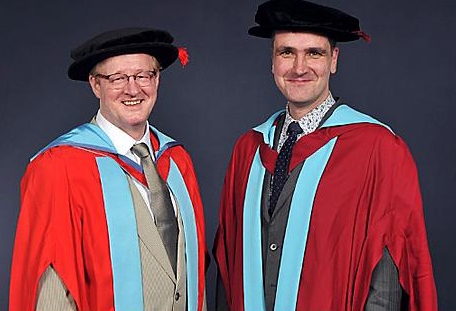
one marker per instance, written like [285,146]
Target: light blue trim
[252,254]
[87,135]
[298,226]
[130,162]
[268,128]
[164,140]
[91,136]
[295,235]
[123,236]
[344,115]
[179,189]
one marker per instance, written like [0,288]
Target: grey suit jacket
[162,289]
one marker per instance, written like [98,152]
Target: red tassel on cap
[183,56]
[364,35]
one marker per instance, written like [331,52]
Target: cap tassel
[183,56]
[364,35]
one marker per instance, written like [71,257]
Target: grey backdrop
[404,77]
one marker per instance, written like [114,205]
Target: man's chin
[300,102]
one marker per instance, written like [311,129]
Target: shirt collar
[121,140]
[308,122]
[312,119]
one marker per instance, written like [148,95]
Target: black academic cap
[300,15]
[157,43]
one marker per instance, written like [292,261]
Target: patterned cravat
[160,204]
[282,164]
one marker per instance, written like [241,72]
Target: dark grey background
[404,77]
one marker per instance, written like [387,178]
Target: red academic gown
[62,223]
[368,198]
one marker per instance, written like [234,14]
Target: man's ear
[335,56]
[157,79]
[95,85]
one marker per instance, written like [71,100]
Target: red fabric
[62,223]
[368,199]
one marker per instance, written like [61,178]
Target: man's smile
[132,102]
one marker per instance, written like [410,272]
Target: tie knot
[140,150]
[294,129]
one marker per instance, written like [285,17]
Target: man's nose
[300,64]
[132,87]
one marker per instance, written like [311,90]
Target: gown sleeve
[47,231]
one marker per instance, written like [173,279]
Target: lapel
[181,265]
[304,147]
[285,195]
[288,190]
[148,233]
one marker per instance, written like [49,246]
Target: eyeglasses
[120,80]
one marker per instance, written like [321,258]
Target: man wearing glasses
[111,214]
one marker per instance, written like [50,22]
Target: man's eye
[285,53]
[117,79]
[143,77]
[315,54]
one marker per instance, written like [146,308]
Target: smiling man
[321,207]
[111,215]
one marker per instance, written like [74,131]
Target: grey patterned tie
[160,204]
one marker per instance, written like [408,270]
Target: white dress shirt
[123,143]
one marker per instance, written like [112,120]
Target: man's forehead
[132,61]
[299,37]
